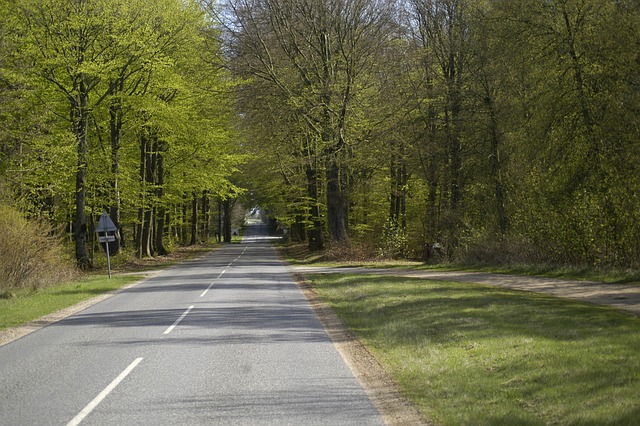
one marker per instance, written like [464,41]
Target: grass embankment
[24,305]
[27,306]
[471,354]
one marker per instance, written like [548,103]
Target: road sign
[105,224]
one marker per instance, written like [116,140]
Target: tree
[71,55]
[576,64]
[313,53]
[119,71]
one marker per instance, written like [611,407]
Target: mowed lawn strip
[27,306]
[469,354]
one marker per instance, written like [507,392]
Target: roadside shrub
[29,256]
[393,242]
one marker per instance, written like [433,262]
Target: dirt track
[624,297]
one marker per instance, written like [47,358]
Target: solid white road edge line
[168,330]
[102,395]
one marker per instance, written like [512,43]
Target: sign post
[106,225]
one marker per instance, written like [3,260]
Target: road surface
[228,339]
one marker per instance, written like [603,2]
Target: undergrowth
[31,256]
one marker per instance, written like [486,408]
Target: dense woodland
[479,130]
[121,106]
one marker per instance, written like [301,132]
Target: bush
[393,242]
[29,256]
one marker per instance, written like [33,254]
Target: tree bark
[496,170]
[336,202]
[219,230]
[79,118]
[115,124]
[147,164]
[161,210]
[194,219]
[227,220]
[316,235]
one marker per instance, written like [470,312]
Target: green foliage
[471,123]
[85,81]
[393,241]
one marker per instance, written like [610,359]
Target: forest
[496,131]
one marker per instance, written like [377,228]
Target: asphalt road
[228,339]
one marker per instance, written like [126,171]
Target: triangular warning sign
[105,224]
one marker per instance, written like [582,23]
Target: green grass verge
[468,354]
[27,306]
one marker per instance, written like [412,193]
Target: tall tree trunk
[115,124]
[194,219]
[398,190]
[184,221]
[147,164]
[79,118]
[206,213]
[455,147]
[336,202]
[227,220]
[146,248]
[496,169]
[316,236]
[161,211]
[219,230]
[161,221]
[398,194]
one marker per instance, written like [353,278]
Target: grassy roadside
[26,305]
[471,354]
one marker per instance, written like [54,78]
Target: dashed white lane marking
[106,391]
[168,330]
[212,283]
[218,277]
[102,395]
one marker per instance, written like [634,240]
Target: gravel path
[625,297]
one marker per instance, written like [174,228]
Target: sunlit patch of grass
[471,354]
[26,305]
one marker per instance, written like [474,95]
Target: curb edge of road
[383,391]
